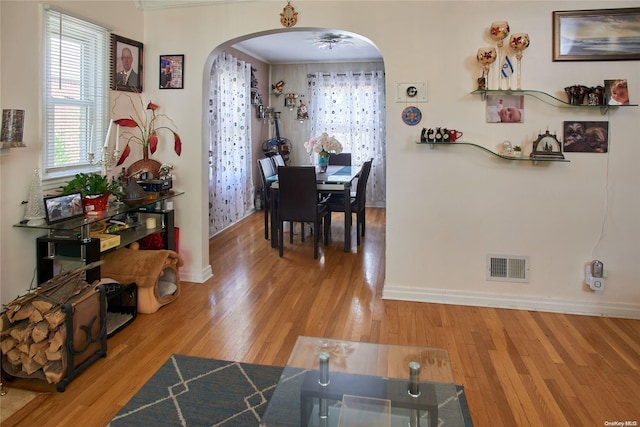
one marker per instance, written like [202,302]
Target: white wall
[448,207]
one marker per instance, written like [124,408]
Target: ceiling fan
[332,41]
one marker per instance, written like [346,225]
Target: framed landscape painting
[596,35]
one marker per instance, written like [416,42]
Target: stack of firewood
[33,334]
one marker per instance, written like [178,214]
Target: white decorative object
[35,213]
[498,32]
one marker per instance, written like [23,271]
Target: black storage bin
[122,306]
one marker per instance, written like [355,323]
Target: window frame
[86,88]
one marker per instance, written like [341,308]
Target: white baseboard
[195,276]
[441,296]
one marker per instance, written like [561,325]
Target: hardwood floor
[519,368]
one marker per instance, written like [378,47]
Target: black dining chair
[278,161]
[342,159]
[267,170]
[335,202]
[298,202]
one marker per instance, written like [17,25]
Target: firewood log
[53,355]
[35,316]
[53,372]
[56,341]
[23,313]
[24,346]
[55,318]
[42,306]
[7,343]
[21,331]
[28,364]
[40,332]
[13,357]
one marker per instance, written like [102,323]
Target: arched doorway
[292,55]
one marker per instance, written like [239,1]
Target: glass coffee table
[335,383]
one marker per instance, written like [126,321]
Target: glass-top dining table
[336,179]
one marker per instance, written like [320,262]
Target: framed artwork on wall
[126,64]
[171,72]
[596,35]
[586,137]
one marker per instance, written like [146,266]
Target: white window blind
[76,56]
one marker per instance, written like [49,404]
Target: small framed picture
[616,92]
[126,64]
[62,208]
[505,108]
[171,71]
[586,137]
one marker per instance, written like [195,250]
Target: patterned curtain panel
[231,192]
[351,106]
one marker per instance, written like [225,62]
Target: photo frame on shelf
[586,137]
[505,108]
[576,35]
[171,72]
[62,208]
[126,64]
[616,92]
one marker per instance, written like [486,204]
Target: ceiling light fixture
[332,41]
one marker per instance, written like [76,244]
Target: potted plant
[517,151]
[95,189]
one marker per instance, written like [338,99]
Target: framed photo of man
[171,71]
[126,64]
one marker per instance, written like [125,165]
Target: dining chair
[298,202]
[342,159]
[278,161]
[267,170]
[335,202]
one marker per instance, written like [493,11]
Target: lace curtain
[231,192]
[351,106]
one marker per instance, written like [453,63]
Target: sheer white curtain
[231,192]
[351,106]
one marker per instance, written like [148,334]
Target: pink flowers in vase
[323,145]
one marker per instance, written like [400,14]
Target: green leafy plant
[517,148]
[92,184]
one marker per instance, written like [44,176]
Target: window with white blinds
[76,57]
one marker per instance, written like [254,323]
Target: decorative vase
[96,203]
[323,161]
[146,168]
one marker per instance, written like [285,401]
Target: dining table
[336,179]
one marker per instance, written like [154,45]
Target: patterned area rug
[191,391]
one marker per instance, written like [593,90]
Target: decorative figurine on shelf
[519,42]
[486,56]
[498,32]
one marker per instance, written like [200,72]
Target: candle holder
[498,32]
[519,42]
[486,56]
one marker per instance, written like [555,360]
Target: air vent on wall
[508,268]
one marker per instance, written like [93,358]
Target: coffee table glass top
[358,368]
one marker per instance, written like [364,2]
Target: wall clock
[547,146]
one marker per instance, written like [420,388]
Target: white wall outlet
[405,90]
[594,283]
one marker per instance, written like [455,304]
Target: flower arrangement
[148,127]
[323,145]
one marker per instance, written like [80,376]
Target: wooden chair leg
[327,228]
[266,222]
[302,231]
[316,239]
[280,240]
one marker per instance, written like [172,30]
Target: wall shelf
[534,160]
[547,99]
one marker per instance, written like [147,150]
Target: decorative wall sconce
[290,100]
[12,129]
